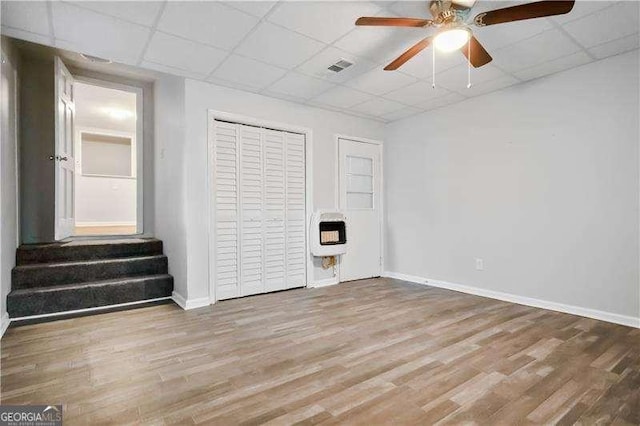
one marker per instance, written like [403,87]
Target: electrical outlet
[479,264]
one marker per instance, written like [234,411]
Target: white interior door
[260,210]
[360,200]
[64,152]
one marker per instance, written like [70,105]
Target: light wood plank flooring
[369,352]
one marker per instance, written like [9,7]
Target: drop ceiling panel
[342,97]
[544,47]
[98,34]
[416,93]
[26,16]
[325,21]
[378,81]
[616,47]
[256,8]
[605,25]
[278,46]
[481,88]
[172,70]
[494,37]
[139,12]
[401,113]
[206,33]
[207,22]
[176,52]
[299,86]
[560,64]
[582,8]
[248,72]
[456,78]
[378,107]
[26,35]
[377,43]
[318,64]
[449,99]
[411,9]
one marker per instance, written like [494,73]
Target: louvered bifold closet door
[295,206]
[226,177]
[251,211]
[275,210]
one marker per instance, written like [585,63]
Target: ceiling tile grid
[283,49]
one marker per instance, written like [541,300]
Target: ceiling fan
[450,17]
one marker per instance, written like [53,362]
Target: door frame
[139,141]
[380,145]
[213,115]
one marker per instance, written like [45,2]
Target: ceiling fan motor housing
[447,12]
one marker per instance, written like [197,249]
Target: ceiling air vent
[340,65]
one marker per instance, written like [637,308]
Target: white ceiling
[282,49]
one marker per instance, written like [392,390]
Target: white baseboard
[81,224]
[522,300]
[4,324]
[85,310]
[325,282]
[188,304]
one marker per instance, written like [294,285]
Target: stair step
[78,250]
[55,274]
[70,297]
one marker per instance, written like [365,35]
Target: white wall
[540,180]
[8,175]
[199,97]
[170,176]
[106,200]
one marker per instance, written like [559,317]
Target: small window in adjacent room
[359,182]
[105,155]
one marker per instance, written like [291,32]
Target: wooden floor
[369,352]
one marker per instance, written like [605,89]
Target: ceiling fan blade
[394,22]
[479,56]
[524,11]
[408,54]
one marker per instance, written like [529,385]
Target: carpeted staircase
[61,277]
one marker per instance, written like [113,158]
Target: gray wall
[37,142]
[170,208]
[540,180]
[8,170]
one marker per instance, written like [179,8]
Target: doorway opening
[106,137]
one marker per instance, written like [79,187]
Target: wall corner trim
[521,300]
[4,324]
[188,304]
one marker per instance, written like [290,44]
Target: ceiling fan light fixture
[452,39]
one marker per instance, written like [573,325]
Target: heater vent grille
[340,65]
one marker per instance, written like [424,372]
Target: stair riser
[62,253]
[87,297]
[58,274]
